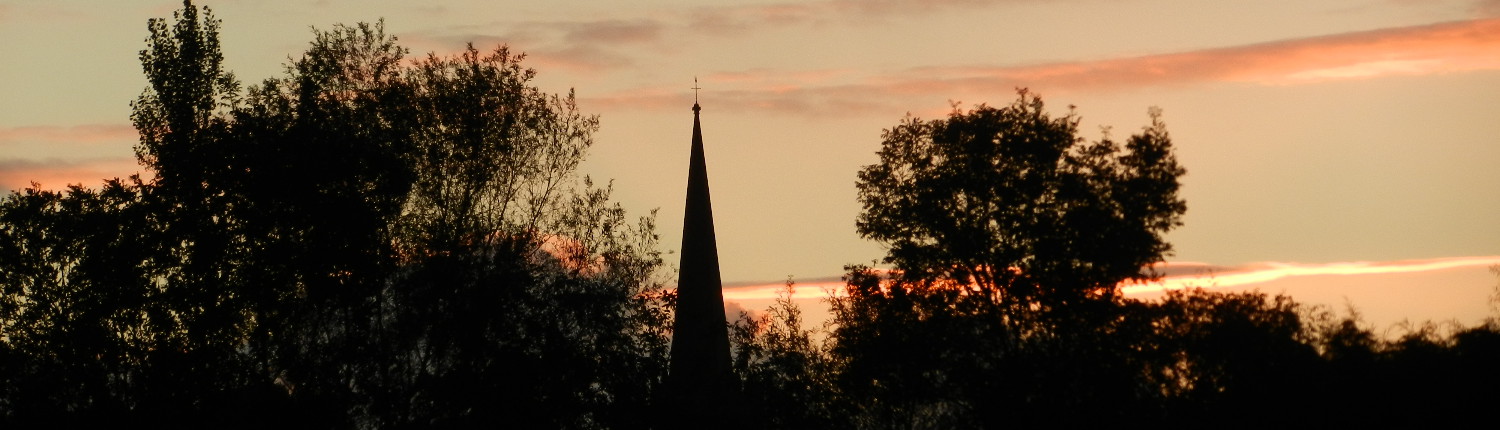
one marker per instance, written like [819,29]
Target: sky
[1348,134]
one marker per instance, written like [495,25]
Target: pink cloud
[1486,7]
[598,44]
[576,51]
[613,31]
[40,12]
[739,19]
[57,174]
[1452,47]
[93,133]
[774,80]
[834,100]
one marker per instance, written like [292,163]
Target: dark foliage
[366,242]
[1011,205]
[373,242]
[1188,359]
[1009,237]
[784,370]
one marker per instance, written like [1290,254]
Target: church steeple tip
[700,378]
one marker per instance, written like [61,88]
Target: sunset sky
[1341,151]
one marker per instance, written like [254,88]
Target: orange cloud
[57,174]
[1184,275]
[1451,47]
[1178,275]
[1419,50]
[812,289]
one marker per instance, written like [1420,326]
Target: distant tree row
[1192,359]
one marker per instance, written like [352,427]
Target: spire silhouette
[703,387]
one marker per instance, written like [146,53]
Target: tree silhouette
[785,370]
[1012,203]
[373,242]
[364,242]
[1008,235]
[1008,239]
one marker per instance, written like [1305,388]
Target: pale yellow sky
[1313,131]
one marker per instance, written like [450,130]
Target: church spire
[700,376]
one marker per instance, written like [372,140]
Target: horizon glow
[1203,276]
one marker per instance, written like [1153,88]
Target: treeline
[372,241]
[1008,239]
[368,241]
[1192,359]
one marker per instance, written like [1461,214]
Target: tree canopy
[365,241]
[1008,238]
[374,241]
[1012,203]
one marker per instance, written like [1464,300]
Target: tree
[1008,239]
[786,372]
[1011,203]
[79,317]
[363,242]
[1008,236]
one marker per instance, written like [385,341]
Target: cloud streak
[39,12]
[57,174]
[1185,275]
[92,133]
[1486,7]
[586,46]
[741,19]
[809,289]
[606,44]
[1420,50]
[596,45]
[1452,47]
[1177,275]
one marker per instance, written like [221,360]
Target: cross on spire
[695,90]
